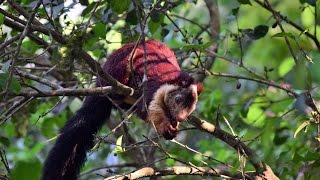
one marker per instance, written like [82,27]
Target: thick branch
[175,170]
[230,140]
[70,92]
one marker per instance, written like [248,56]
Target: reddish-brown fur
[161,63]
[170,95]
[162,68]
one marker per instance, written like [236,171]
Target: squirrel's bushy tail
[76,138]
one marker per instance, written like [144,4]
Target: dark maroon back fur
[161,63]
[162,67]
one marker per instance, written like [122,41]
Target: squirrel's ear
[199,88]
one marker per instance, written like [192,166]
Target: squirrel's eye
[178,99]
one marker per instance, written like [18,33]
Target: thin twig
[39,79]
[23,35]
[203,28]
[278,19]
[229,139]
[286,19]
[14,109]
[270,83]
[4,160]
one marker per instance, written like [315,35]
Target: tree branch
[229,139]
[286,19]
[213,9]
[94,65]
[70,92]
[175,170]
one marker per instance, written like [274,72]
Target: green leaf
[255,116]
[164,32]
[132,18]
[303,125]
[100,30]
[308,79]
[29,47]
[300,75]
[119,147]
[307,18]
[260,31]
[170,162]
[153,26]
[235,11]
[311,156]
[244,2]
[88,9]
[84,2]
[286,66]
[48,126]
[256,33]
[1,19]
[281,136]
[156,16]
[119,6]
[26,170]
[297,158]
[14,87]
[5,141]
[284,34]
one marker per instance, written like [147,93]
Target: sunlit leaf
[255,116]
[119,7]
[119,147]
[303,125]
[286,66]
[284,34]
[307,18]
